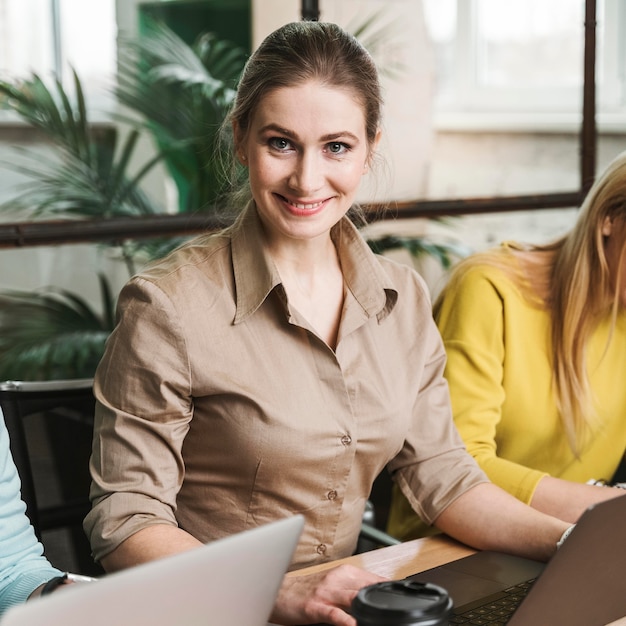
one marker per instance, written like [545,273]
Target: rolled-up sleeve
[143,409]
[433,469]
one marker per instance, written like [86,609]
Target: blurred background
[484,100]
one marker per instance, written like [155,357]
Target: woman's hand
[321,597]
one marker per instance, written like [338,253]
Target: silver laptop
[229,582]
[581,585]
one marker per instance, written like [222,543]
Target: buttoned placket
[337,474]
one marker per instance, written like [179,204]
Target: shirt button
[332,495]
[321,549]
[346,440]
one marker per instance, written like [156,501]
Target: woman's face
[306,151]
[614,231]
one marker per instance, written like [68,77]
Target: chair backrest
[373,533]
[50,425]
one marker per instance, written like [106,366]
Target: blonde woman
[536,345]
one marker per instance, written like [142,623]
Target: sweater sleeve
[22,564]
[471,319]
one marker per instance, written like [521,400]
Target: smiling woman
[306,149]
[278,366]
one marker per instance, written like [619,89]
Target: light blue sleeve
[22,564]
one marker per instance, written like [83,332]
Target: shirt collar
[363,274]
[256,275]
[254,271]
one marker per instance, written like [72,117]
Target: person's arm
[23,568]
[485,517]
[140,424]
[488,518]
[478,332]
[148,544]
[476,324]
[568,500]
[433,467]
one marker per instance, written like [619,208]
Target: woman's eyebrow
[278,129]
[340,135]
[293,135]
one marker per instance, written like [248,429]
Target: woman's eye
[337,147]
[279,143]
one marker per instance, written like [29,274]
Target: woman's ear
[372,149]
[238,143]
[607,226]
[379,134]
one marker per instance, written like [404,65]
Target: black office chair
[374,521]
[50,425]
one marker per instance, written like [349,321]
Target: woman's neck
[313,282]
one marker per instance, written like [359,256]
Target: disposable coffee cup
[402,603]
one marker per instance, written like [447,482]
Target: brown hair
[302,51]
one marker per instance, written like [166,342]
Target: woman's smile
[303,209]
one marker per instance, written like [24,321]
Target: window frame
[476,107]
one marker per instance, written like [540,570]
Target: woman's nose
[307,176]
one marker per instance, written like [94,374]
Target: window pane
[25,37]
[90,51]
[28,41]
[441,22]
[530,43]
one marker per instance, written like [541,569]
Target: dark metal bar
[55,232]
[47,233]
[467,206]
[310,10]
[588,129]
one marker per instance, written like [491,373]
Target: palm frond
[87,178]
[52,334]
[181,94]
[446,253]
[51,111]
[374,34]
[71,187]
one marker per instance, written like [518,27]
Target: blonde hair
[570,279]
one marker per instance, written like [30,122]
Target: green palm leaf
[51,112]
[52,334]
[89,174]
[182,94]
[445,253]
[374,34]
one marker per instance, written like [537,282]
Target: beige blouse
[220,409]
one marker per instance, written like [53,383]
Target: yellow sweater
[499,374]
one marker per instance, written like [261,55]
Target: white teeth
[299,205]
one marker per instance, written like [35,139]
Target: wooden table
[408,558]
[402,560]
